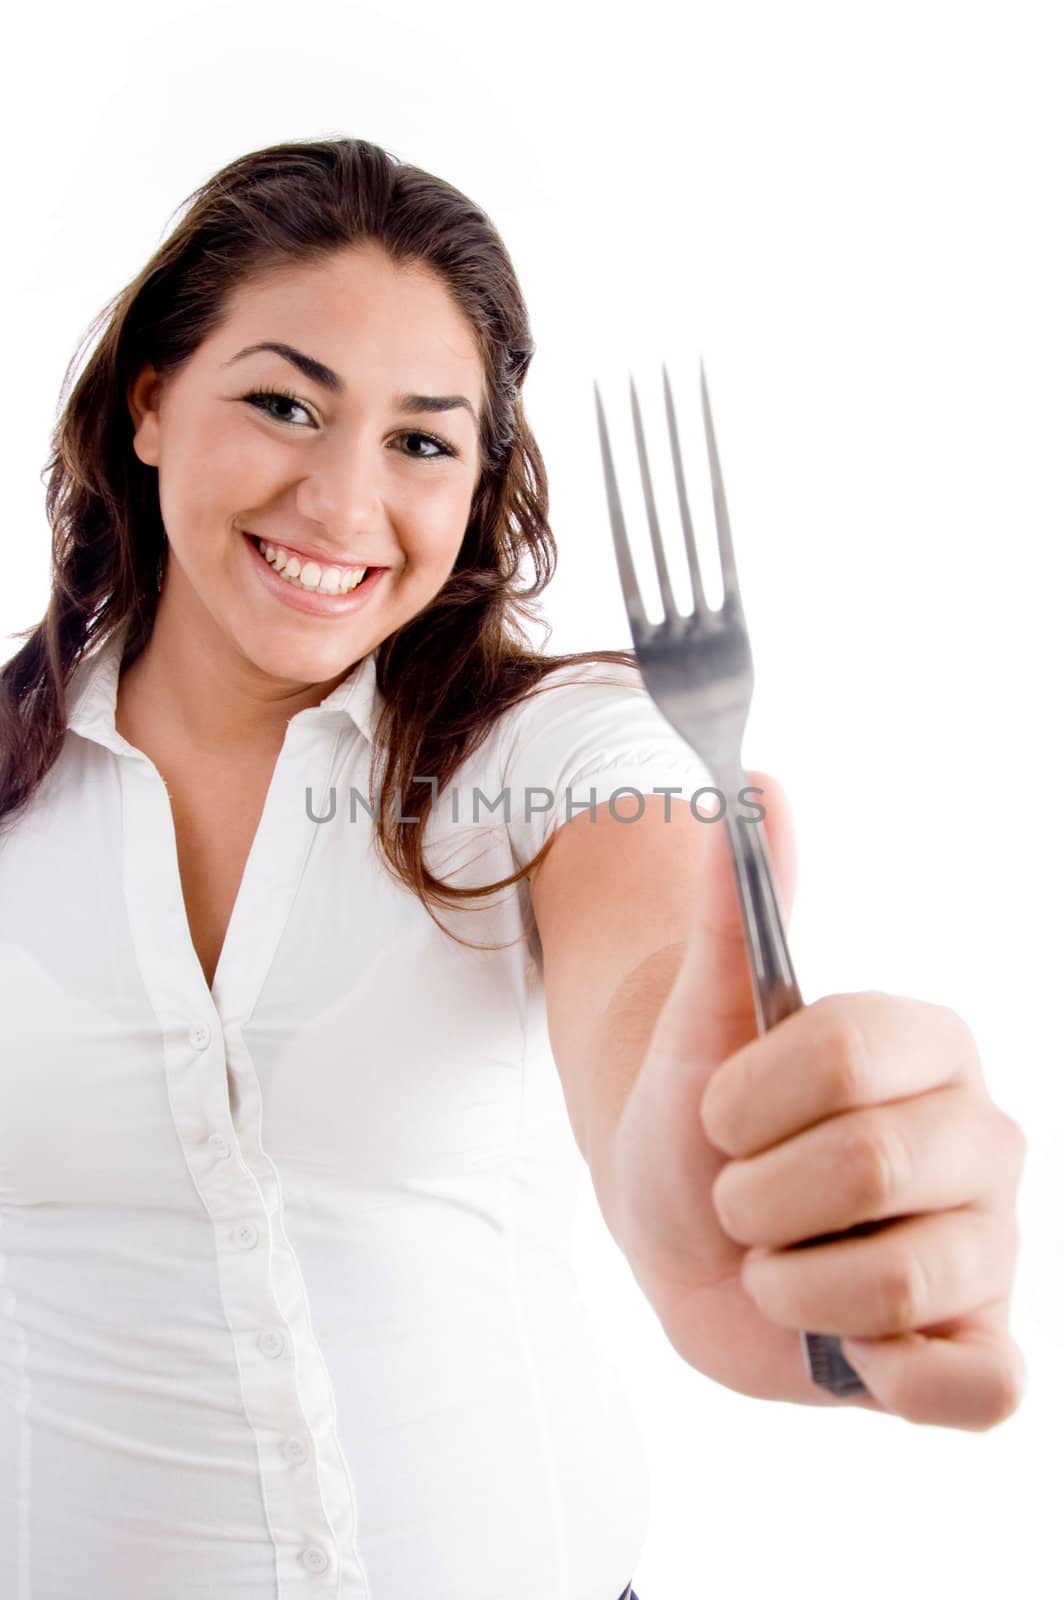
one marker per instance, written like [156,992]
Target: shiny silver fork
[699,671]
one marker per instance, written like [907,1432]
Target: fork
[699,670]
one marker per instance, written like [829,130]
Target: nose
[344,488]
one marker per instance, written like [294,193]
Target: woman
[307,1041]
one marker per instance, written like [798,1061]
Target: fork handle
[776,995]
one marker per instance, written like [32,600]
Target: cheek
[434,533]
[205,478]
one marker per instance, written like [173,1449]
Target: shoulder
[576,699]
[593,712]
[588,733]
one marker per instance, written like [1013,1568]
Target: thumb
[710,1012]
[668,1165]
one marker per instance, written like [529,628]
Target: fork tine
[667,600]
[720,507]
[701,608]
[629,582]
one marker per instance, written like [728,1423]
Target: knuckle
[967,1043]
[902,1294]
[962,1046]
[958,1024]
[845,1056]
[872,1163]
[1009,1145]
[1005,1381]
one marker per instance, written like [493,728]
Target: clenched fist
[735,1152]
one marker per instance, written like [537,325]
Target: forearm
[619,1046]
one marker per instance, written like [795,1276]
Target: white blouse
[286,1300]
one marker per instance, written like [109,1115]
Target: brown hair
[447,674]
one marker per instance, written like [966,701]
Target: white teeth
[310,574]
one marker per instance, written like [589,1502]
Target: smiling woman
[392,296]
[330,477]
[287,1168]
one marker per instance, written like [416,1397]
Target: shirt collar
[92,695]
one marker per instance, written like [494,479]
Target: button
[200,1036]
[272,1344]
[295,1450]
[247,1235]
[314,1559]
[218,1145]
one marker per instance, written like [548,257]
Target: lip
[309,552]
[310,601]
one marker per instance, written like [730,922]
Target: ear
[142,397]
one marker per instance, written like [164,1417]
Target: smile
[317,589]
[309,574]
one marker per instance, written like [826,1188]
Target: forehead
[357,309]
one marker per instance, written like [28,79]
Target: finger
[836,1054]
[710,1012]
[932,1153]
[972,1380]
[907,1276]
[665,1167]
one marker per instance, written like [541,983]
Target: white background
[853,212]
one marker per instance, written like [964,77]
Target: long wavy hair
[448,673]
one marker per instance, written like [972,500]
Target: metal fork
[699,671]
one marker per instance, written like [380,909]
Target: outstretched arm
[713,1150]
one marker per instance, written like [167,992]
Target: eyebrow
[319,373]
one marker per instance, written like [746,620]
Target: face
[332,465]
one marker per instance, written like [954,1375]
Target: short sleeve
[594,736]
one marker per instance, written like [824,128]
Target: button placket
[256,1284]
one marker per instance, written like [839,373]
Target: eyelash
[286,394]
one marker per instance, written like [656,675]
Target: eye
[442,448]
[260,398]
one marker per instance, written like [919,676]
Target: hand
[734,1148]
